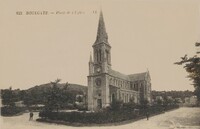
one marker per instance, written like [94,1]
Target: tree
[56,97]
[9,96]
[144,103]
[192,66]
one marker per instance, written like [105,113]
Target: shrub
[129,106]
[11,110]
[116,105]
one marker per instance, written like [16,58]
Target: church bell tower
[98,88]
[101,48]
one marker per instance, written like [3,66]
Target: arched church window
[99,54]
[96,55]
[127,98]
[107,56]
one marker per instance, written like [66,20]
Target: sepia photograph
[100,64]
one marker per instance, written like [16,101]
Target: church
[105,84]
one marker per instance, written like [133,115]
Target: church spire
[101,32]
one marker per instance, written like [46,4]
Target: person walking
[31,116]
[147,115]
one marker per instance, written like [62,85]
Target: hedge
[106,116]
[12,110]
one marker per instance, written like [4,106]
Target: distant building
[81,99]
[169,98]
[193,100]
[178,100]
[19,104]
[37,105]
[105,84]
[1,102]
[187,100]
[190,101]
[159,98]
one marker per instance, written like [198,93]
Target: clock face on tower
[98,69]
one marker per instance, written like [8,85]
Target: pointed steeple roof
[101,32]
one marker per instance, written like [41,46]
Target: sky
[143,34]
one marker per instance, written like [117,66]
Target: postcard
[100,64]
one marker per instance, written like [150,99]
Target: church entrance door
[99,103]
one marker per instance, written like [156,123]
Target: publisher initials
[19,13]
